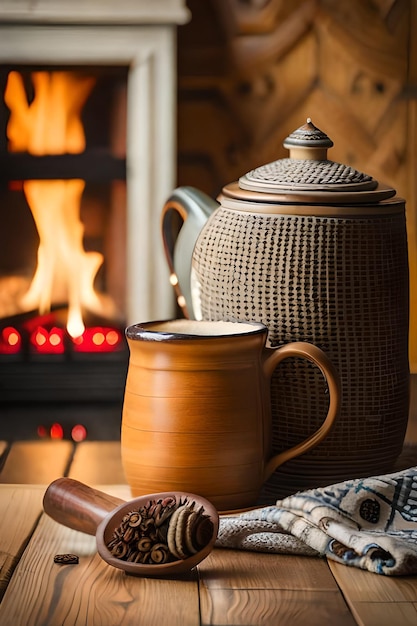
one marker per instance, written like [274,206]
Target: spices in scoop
[161,531]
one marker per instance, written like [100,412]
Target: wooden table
[229,587]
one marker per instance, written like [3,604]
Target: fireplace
[87,156]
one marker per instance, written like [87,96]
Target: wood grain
[234,569]
[263,607]
[228,588]
[385,614]
[99,594]
[36,462]
[20,509]
[98,463]
[379,600]
[362,586]
[266,589]
[251,72]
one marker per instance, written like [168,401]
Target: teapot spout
[183,216]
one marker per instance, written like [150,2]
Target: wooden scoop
[94,512]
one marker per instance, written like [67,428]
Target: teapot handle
[193,207]
[315,355]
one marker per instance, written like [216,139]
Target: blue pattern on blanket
[370,523]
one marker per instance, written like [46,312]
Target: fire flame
[51,124]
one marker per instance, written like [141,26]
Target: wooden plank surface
[98,463]
[236,587]
[379,600]
[36,462]
[240,587]
[97,593]
[20,509]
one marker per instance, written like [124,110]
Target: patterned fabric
[369,523]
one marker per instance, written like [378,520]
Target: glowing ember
[44,341]
[42,432]
[98,339]
[56,432]
[50,124]
[10,341]
[78,432]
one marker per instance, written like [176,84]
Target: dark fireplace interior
[63,355]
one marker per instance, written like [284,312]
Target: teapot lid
[307,168]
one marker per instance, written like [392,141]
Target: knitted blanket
[369,523]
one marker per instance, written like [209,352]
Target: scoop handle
[77,506]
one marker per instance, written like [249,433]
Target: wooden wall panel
[252,71]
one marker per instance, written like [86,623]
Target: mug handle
[318,357]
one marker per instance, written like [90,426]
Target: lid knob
[308,143]
[307,168]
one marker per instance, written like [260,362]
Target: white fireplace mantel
[95,11]
[139,34]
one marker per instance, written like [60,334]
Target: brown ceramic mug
[197,410]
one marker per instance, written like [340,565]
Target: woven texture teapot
[317,251]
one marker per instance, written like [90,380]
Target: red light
[79,433]
[112,337]
[47,321]
[40,337]
[10,341]
[98,339]
[55,339]
[15,185]
[46,341]
[42,431]
[56,432]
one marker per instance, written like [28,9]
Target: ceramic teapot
[317,251]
